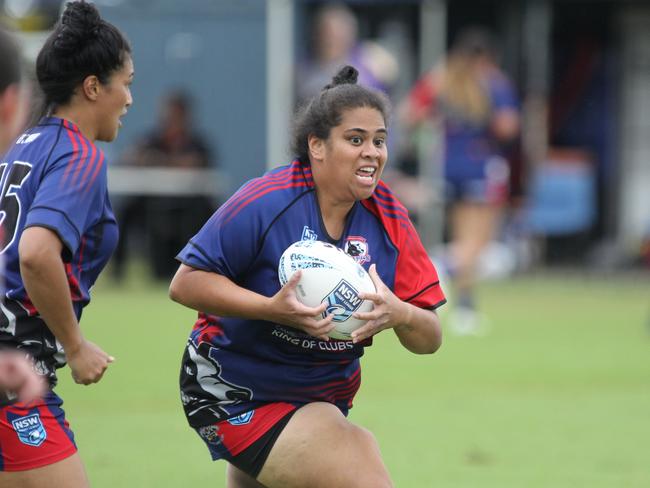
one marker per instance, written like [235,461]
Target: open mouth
[366,173]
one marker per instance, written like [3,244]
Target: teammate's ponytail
[82,44]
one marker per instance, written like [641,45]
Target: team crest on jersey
[357,247]
[342,302]
[242,419]
[308,234]
[30,429]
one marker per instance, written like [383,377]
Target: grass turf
[556,395]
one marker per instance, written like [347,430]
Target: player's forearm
[47,285]
[215,294]
[421,333]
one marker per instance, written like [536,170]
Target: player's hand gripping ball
[329,276]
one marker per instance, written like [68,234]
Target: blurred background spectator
[335,42]
[164,223]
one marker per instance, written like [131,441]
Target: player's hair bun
[80,23]
[347,75]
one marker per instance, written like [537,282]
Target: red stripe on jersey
[73,283]
[347,393]
[294,169]
[242,197]
[251,187]
[82,160]
[89,166]
[384,194]
[81,254]
[280,175]
[335,391]
[75,153]
[293,184]
[99,165]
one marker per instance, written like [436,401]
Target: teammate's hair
[325,110]
[10,65]
[460,87]
[82,44]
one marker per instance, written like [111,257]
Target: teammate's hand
[17,375]
[88,363]
[389,311]
[286,309]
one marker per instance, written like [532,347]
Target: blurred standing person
[168,221]
[17,375]
[336,44]
[260,381]
[59,234]
[479,108]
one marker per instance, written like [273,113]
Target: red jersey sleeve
[416,278]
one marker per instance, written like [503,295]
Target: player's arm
[43,274]
[17,375]
[418,329]
[420,332]
[216,294]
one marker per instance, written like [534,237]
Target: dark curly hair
[324,111]
[82,44]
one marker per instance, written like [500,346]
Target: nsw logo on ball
[342,302]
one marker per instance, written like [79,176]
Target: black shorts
[246,441]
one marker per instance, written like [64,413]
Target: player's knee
[371,472]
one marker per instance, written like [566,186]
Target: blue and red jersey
[232,365]
[53,177]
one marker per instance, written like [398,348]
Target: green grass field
[556,395]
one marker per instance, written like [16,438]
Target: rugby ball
[331,276]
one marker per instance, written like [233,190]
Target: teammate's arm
[17,375]
[43,273]
[418,329]
[216,294]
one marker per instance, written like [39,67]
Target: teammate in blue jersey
[16,371]
[480,111]
[58,234]
[260,381]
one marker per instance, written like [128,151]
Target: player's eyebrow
[364,131]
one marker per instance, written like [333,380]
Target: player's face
[114,101]
[354,155]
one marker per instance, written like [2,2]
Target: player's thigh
[318,448]
[68,473]
[236,478]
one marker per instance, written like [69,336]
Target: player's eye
[356,140]
[380,142]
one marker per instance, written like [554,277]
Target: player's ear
[90,87]
[316,147]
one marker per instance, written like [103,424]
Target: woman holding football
[59,232]
[260,382]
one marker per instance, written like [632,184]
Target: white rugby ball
[331,276]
